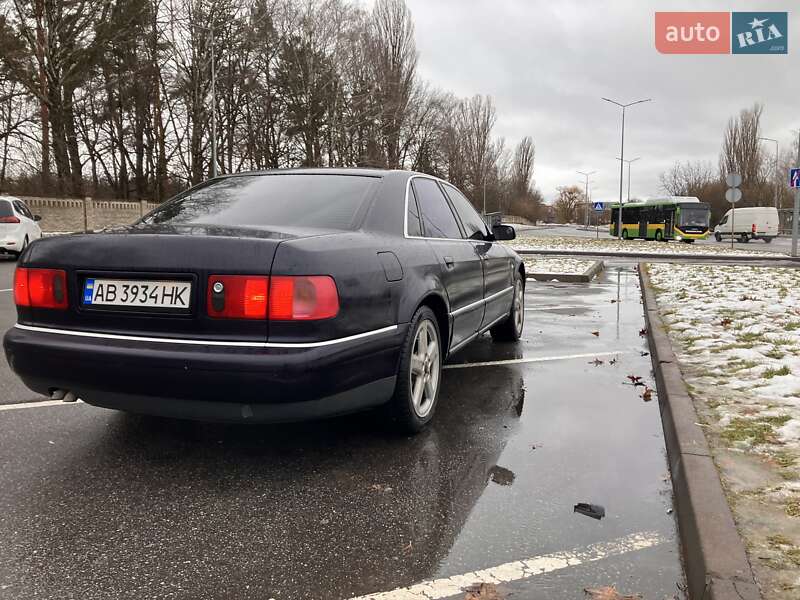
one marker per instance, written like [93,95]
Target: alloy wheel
[425,371]
[519,307]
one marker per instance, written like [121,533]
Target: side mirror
[37,217]
[503,232]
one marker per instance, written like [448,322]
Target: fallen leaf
[725,322]
[644,353]
[634,379]
[613,361]
[608,593]
[613,301]
[596,362]
[482,591]
[642,332]
[647,395]
[596,333]
[408,548]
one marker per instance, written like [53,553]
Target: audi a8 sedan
[267,297]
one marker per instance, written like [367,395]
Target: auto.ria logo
[721,32]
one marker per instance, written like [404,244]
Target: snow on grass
[546,265]
[607,244]
[736,333]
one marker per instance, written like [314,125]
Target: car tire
[419,374]
[767,240]
[744,238]
[718,236]
[510,330]
[659,237]
[624,234]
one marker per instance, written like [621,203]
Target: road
[100,504]
[782,244]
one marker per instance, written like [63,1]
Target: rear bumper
[218,383]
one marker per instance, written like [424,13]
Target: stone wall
[71,214]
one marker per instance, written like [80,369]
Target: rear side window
[5,209]
[437,218]
[23,208]
[317,201]
[470,219]
[414,225]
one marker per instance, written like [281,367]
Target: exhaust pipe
[65,395]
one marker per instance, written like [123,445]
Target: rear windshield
[5,209]
[318,201]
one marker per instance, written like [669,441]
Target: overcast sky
[547,63]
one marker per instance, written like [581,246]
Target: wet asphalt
[99,504]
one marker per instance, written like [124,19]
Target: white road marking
[42,404]
[533,359]
[7,290]
[521,569]
[535,307]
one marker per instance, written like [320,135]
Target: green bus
[682,218]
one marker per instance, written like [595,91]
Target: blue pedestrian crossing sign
[794,178]
[598,206]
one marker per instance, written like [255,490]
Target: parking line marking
[533,359]
[534,307]
[41,404]
[521,569]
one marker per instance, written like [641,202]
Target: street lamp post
[633,160]
[622,156]
[586,192]
[776,174]
[213,106]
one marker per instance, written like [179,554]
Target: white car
[18,226]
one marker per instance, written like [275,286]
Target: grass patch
[775,353]
[770,373]
[778,540]
[750,337]
[784,459]
[793,508]
[793,556]
[792,326]
[758,431]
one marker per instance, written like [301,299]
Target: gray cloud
[547,63]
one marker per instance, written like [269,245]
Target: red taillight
[238,296]
[303,298]
[754,228]
[282,298]
[40,288]
[11,219]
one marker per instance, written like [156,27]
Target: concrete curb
[714,554]
[701,257]
[584,277]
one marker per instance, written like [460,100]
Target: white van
[749,223]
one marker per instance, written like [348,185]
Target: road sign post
[794,182]
[598,207]
[733,194]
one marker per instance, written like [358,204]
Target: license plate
[137,293]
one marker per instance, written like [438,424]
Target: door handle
[449,262]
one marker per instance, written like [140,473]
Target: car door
[497,264]
[460,265]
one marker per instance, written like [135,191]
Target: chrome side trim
[468,307]
[189,342]
[474,305]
